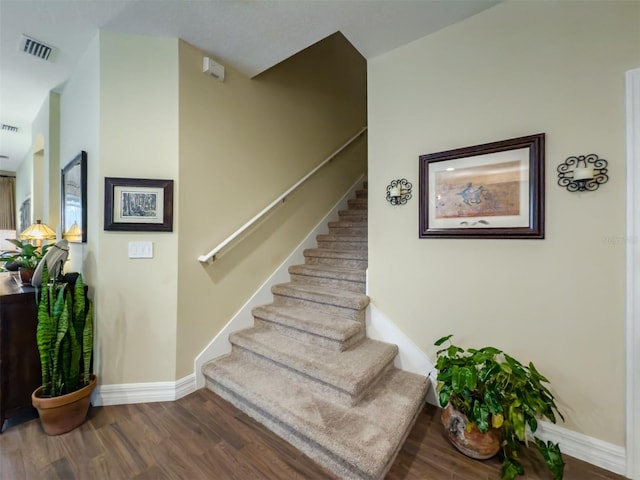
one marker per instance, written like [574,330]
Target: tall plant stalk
[64,336]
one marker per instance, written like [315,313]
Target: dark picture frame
[138,204]
[24,219]
[493,190]
[74,199]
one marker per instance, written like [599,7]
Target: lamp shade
[38,231]
[74,233]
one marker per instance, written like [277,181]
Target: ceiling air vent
[36,48]
[9,128]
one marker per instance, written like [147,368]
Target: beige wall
[42,165]
[138,138]
[142,108]
[516,69]
[243,143]
[80,130]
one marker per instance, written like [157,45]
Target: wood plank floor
[201,436]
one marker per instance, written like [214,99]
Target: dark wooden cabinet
[19,360]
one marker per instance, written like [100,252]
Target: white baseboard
[583,447]
[243,319]
[125,393]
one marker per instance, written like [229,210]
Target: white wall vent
[9,128]
[36,48]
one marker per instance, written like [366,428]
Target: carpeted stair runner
[306,369]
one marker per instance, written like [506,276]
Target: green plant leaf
[491,351]
[511,468]
[452,350]
[481,416]
[61,333]
[444,395]
[468,377]
[455,379]
[45,332]
[438,342]
[491,399]
[516,417]
[535,374]
[533,424]
[442,364]
[489,372]
[552,457]
[87,344]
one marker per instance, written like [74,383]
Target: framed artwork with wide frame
[138,204]
[494,190]
[74,199]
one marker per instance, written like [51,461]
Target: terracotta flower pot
[474,444]
[26,274]
[64,413]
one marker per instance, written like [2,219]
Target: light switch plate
[140,249]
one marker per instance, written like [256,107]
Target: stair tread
[358,212]
[347,224]
[365,437]
[318,323]
[340,237]
[351,371]
[332,253]
[329,271]
[321,294]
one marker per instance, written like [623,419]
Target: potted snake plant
[489,400]
[65,343]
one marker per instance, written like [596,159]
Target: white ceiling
[250,35]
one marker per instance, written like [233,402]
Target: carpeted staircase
[306,369]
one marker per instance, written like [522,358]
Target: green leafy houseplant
[494,390]
[27,255]
[64,336]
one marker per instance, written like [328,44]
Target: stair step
[329,276]
[358,442]
[350,305]
[357,259]
[353,215]
[342,242]
[362,193]
[344,227]
[349,372]
[357,203]
[317,328]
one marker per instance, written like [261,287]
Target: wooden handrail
[215,253]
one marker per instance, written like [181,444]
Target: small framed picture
[494,190]
[137,204]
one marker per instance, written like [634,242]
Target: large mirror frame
[74,199]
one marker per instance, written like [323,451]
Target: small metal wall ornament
[583,173]
[398,192]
